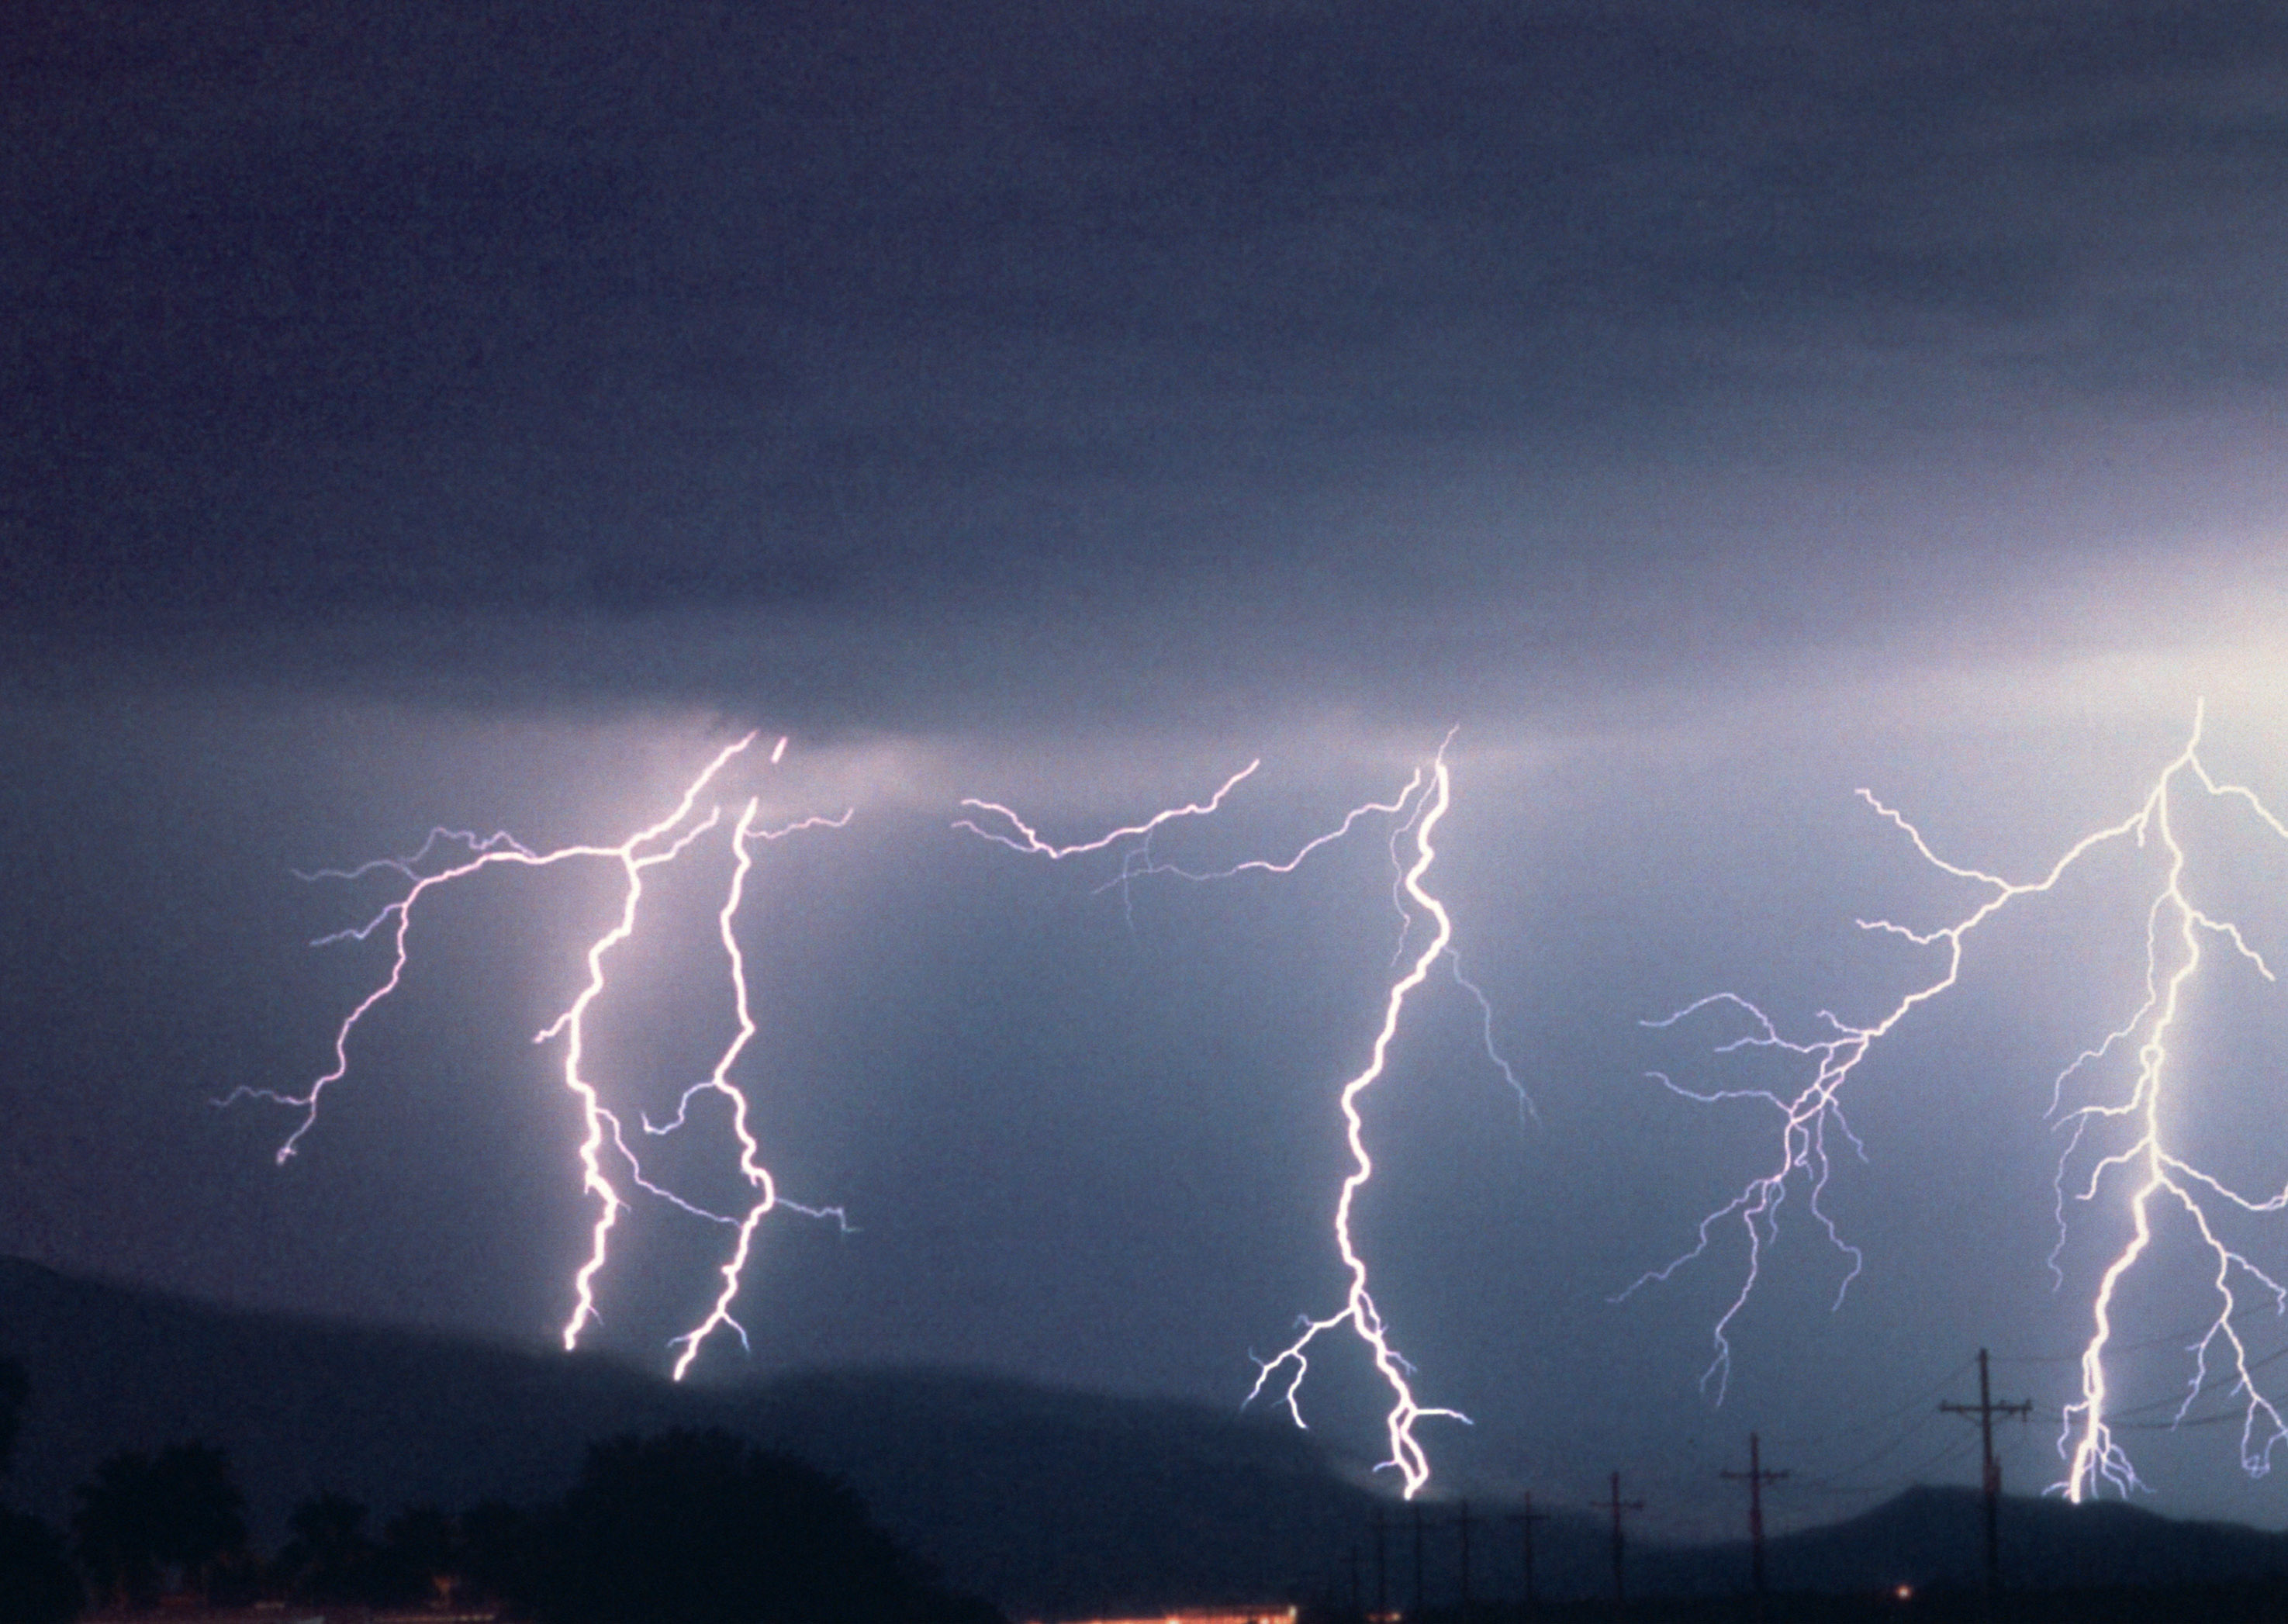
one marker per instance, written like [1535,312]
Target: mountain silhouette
[1045,1501]
[1038,1499]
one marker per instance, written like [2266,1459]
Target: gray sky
[470,418]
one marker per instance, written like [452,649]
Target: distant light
[1905,1593]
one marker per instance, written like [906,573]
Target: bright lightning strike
[757,1175]
[1359,1310]
[1417,809]
[2152,1177]
[603,1141]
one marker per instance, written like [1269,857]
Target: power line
[1921,1422]
[1954,1449]
[1916,1403]
[2180,1339]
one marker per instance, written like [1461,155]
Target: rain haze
[479,417]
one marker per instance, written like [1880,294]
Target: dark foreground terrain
[1049,1504]
[2252,1603]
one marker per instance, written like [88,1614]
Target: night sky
[478,415]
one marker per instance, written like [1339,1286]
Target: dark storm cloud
[916,313]
[1712,408]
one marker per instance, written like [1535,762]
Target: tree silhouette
[147,1524]
[419,1560]
[702,1529]
[15,1388]
[326,1557]
[37,1585]
[499,1549]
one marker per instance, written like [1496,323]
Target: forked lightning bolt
[719,1081]
[602,1136]
[2152,1178]
[1417,810]
[1358,1311]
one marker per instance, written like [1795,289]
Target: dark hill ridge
[1069,1501]
[1929,1536]
[1047,1502]
[302,1406]
[1932,1539]
[1033,1497]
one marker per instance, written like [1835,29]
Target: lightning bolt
[656,844]
[1419,810]
[1359,1311]
[757,1175]
[1027,840]
[2155,1179]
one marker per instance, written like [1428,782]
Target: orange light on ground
[1223,1615]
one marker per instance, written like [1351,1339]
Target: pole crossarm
[1755,1477]
[1986,1409]
[1614,1503]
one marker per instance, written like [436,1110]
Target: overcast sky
[478,416]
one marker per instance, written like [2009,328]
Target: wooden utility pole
[1986,1410]
[1525,1521]
[1755,1477]
[1463,1523]
[1616,1505]
[1418,1561]
[1381,1569]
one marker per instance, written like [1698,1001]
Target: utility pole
[1381,1570]
[1463,1524]
[1525,1521]
[1616,1505]
[1986,1410]
[1755,1477]
[1418,1560]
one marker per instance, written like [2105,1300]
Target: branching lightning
[1027,840]
[757,1175]
[2151,1177]
[603,1142]
[1416,809]
[1359,1310]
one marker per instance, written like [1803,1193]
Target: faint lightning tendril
[656,844]
[2177,927]
[1526,1108]
[1418,810]
[1029,840]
